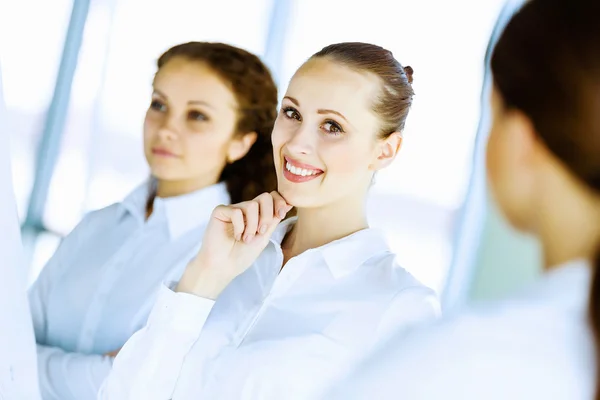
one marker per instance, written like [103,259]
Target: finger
[280,206]
[251,211]
[265,202]
[231,215]
[237,222]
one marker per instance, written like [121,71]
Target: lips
[298,172]
[162,152]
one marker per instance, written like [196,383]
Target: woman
[207,142]
[274,311]
[543,162]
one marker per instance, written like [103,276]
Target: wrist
[203,280]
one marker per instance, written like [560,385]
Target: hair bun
[409,73]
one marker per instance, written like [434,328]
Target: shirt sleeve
[70,376]
[148,366]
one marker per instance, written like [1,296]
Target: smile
[297,172]
[301,171]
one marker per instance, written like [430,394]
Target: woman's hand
[234,238]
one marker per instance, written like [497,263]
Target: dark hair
[256,95]
[396,95]
[547,65]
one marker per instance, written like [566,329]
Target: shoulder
[503,351]
[388,271]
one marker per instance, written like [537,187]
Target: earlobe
[239,147]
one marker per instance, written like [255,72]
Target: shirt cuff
[182,312]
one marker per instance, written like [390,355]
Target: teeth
[300,171]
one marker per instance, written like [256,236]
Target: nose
[168,129]
[301,140]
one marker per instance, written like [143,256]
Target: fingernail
[263,229]
[282,213]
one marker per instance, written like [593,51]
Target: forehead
[181,79]
[321,83]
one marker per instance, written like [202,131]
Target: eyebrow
[196,102]
[320,111]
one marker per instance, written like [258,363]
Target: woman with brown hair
[207,140]
[271,310]
[543,163]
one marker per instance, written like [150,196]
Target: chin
[165,174]
[295,195]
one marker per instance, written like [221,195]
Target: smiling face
[325,140]
[189,126]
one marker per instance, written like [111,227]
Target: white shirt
[532,346]
[101,283]
[273,335]
[18,376]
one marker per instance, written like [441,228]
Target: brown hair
[256,95]
[396,95]
[547,65]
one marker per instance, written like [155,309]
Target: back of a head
[256,93]
[546,64]
[397,93]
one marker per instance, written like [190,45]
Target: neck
[319,226]
[571,235]
[172,188]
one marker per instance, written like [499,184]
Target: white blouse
[273,335]
[535,345]
[100,285]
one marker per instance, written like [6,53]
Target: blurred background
[77,80]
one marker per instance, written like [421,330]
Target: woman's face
[189,126]
[325,139]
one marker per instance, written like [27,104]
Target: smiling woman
[270,310]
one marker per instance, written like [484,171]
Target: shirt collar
[183,213]
[345,255]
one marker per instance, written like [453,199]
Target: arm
[63,375]
[148,366]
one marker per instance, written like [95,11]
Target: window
[30,61]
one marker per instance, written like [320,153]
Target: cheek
[344,157]
[279,136]
[150,129]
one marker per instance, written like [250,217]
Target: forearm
[204,281]
[149,363]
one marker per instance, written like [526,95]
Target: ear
[522,140]
[240,146]
[386,150]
